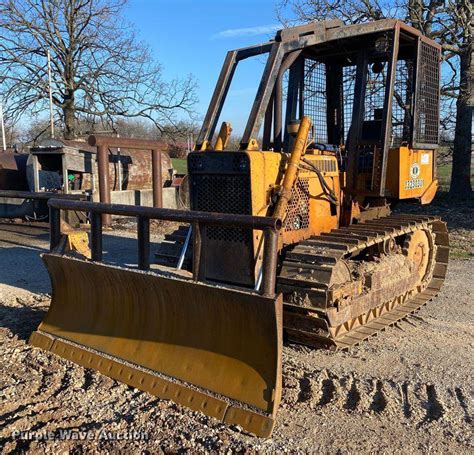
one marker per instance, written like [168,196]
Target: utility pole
[51,118]
[190,142]
[4,142]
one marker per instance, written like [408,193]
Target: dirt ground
[408,390]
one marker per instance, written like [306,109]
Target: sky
[193,36]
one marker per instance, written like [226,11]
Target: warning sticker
[425,158]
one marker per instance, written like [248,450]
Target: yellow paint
[291,171]
[205,146]
[321,217]
[430,193]
[224,136]
[265,172]
[78,241]
[409,172]
[170,337]
[253,145]
[267,169]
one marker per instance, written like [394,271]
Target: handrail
[154,147]
[40,195]
[199,221]
[126,142]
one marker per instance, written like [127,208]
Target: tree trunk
[69,116]
[461,172]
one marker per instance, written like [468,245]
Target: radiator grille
[325,165]
[224,194]
[298,208]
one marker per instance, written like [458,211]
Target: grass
[444,175]
[180,165]
[456,253]
[444,171]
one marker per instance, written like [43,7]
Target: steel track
[307,269]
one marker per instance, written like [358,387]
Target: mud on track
[407,390]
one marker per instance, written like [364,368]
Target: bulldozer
[290,235]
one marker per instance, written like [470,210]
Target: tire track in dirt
[419,402]
[422,411]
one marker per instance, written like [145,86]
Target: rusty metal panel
[142,327]
[128,169]
[379,175]
[13,171]
[264,94]
[218,99]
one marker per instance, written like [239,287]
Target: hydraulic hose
[289,178]
[327,190]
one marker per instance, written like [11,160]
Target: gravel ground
[408,390]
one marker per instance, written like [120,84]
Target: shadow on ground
[458,213]
[22,244]
[21,320]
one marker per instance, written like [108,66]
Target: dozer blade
[209,348]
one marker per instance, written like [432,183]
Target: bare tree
[451,23]
[99,68]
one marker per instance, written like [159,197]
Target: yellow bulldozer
[291,235]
